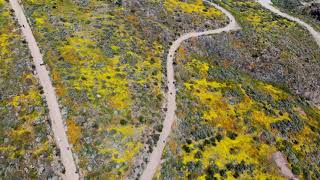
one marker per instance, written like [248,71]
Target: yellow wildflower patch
[74,132]
[194,6]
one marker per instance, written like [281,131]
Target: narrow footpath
[155,157]
[58,127]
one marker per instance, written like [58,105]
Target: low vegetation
[241,96]
[230,124]
[269,47]
[27,150]
[307,10]
[106,60]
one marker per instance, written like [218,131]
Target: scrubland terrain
[230,124]
[236,102]
[27,148]
[308,10]
[106,62]
[241,96]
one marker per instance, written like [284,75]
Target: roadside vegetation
[228,125]
[243,96]
[106,60]
[308,10]
[27,148]
[269,47]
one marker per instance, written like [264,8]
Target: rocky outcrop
[313,10]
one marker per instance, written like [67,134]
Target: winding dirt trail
[268,5]
[54,111]
[156,154]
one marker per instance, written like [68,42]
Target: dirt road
[155,157]
[58,127]
[268,5]
[282,164]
